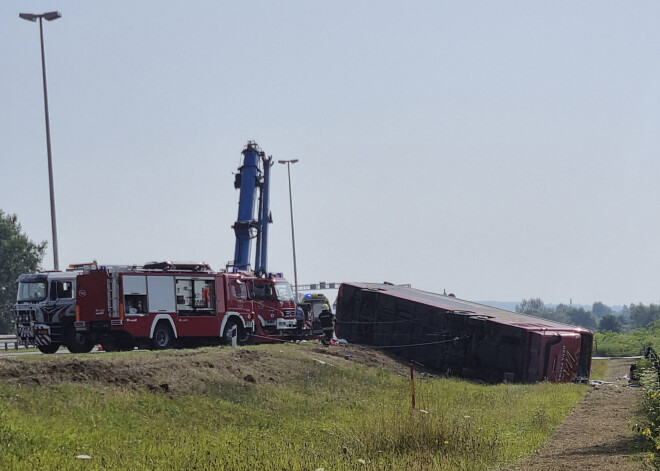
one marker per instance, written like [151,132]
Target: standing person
[327,319]
[300,318]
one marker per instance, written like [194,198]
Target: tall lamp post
[50,16]
[293,235]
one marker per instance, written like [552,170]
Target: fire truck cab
[312,304]
[45,311]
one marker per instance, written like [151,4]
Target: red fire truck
[158,304]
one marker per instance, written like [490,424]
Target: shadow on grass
[625,445]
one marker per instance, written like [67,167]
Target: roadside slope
[183,371]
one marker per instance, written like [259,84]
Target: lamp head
[28,16]
[52,15]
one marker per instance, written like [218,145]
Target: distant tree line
[601,317]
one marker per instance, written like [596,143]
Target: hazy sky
[498,150]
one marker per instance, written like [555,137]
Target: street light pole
[50,16]
[293,235]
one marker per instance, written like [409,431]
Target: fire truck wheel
[51,348]
[163,337]
[242,336]
[77,342]
[226,335]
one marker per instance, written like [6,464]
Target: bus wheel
[163,337]
[50,348]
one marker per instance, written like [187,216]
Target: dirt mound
[184,371]
[363,355]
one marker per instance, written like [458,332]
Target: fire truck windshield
[284,292]
[34,291]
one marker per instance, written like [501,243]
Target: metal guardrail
[7,340]
[655,360]
[318,286]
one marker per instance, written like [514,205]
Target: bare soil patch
[184,371]
[598,434]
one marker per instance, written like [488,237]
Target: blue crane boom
[252,177]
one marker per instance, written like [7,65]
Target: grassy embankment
[327,416]
[611,344]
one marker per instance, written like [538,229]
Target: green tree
[560,313]
[583,318]
[624,315]
[641,315]
[18,254]
[599,309]
[610,322]
[532,306]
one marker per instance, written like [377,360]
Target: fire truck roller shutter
[135,294]
[134,284]
[162,294]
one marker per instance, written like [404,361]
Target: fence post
[655,361]
[412,383]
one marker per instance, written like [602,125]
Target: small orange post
[412,383]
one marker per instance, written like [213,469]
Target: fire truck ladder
[113,301]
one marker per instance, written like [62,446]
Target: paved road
[16,353]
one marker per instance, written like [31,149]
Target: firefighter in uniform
[327,319]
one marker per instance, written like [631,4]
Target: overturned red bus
[461,337]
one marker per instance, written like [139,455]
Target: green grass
[327,416]
[611,344]
[598,368]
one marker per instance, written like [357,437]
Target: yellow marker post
[412,383]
